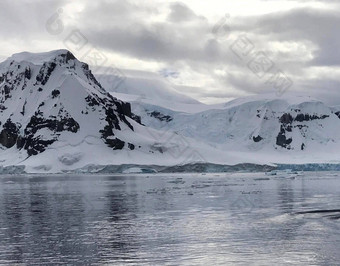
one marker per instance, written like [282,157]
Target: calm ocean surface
[170,219]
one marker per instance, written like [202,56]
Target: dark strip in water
[334,217]
[319,211]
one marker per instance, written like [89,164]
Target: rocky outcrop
[295,120]
[9,134]
[257,139]
[160,116]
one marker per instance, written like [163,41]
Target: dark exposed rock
[9,134]
[126,109]
[89,75]
[123,109]
[55,93]
[288,122]
[28,73]
[91,101]
[137,118]
[160,116]
[307,117]
[68,56]
[122,117]
[257,139]
[286,118]
[35,144]
[115,143]
[282,141]
[45,72]
[286,126]
[131,146]
[113,124]
[112,120]
[38,122]
[301,126]
[23,108]
[6,92]
[302,117]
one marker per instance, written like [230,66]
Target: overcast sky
[211,50]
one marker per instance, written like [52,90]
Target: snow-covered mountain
[254,125]
[289,129]
[46,97]
[56,116]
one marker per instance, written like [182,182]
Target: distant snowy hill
[292,128]
[254,125]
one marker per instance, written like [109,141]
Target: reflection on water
[170,219]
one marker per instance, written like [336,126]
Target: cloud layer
[298,38]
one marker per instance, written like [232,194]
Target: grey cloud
[326,90]
[26,19]
[181,13]
[319,26]
[199,92]
[185,42]
[153,41]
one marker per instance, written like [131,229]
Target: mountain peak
[37,68]
[51,97]
[41,58]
